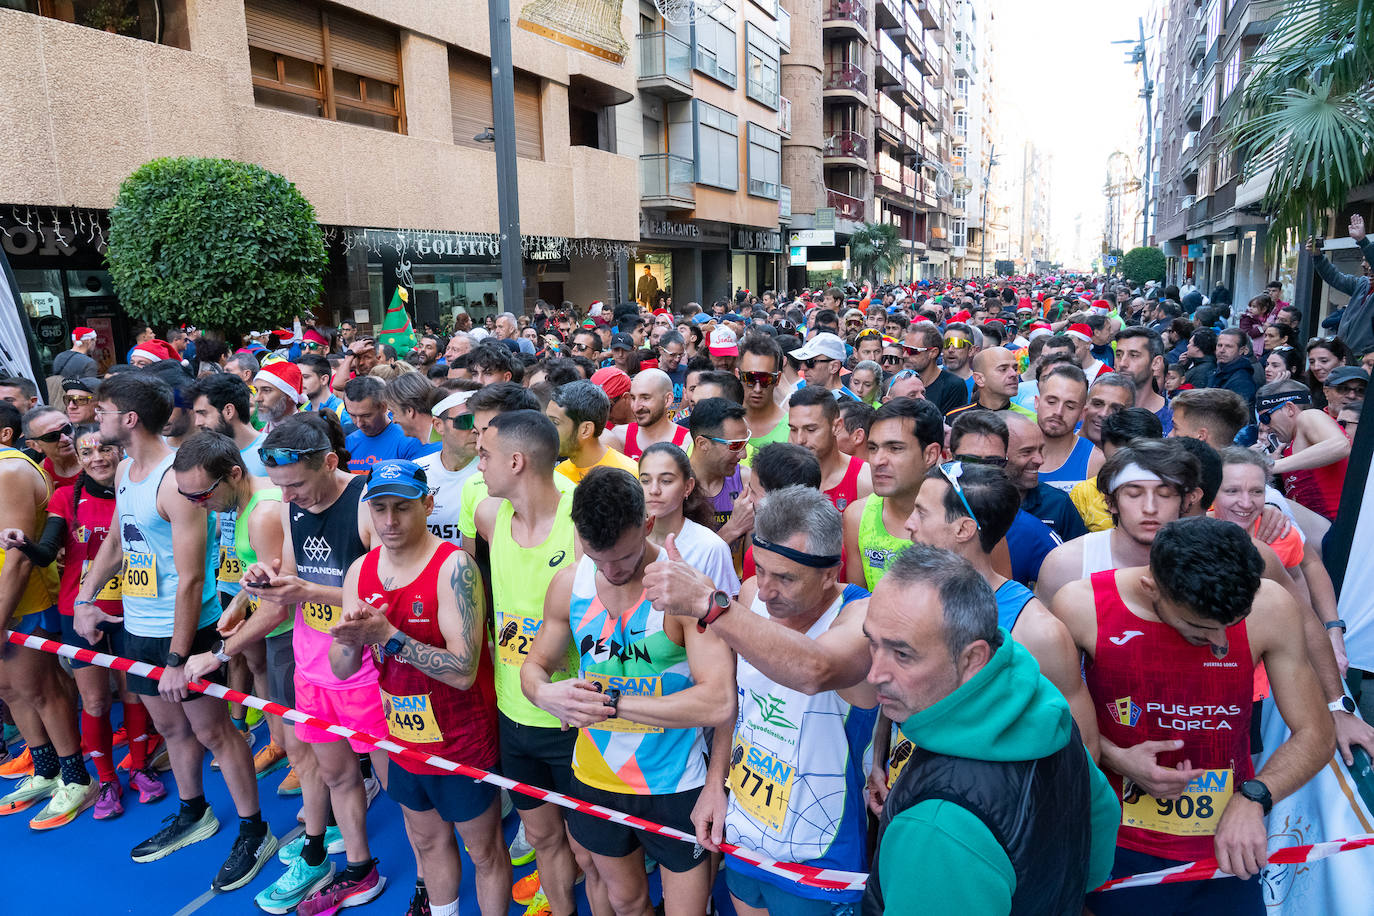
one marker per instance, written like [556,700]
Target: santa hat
[960,316]
[1080,331]
[80,334]
[313,336]
[154,350]
[284,376]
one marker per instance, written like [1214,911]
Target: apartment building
[1029,202]
[377,110]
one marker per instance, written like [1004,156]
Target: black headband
[815,561]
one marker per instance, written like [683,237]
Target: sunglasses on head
[56,435]
[761,379]
[277,457]
[1266,415]
[952,471]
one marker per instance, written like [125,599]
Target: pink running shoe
[149,787]
[343,892]
[108,804]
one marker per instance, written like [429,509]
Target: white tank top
[1097,552]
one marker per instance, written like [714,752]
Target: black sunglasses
[55,435]
[992,461]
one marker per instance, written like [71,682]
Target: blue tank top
[631,653]
[1074,468]
[1012,598]
[150,575]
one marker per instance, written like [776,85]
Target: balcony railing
[850,11]
[667,177]
[848,144]
[846,76]
[665,57]
[846,207]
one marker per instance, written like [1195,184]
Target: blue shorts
[109,640]
[456,798]
[764,896]
[1229,896]
[49,621]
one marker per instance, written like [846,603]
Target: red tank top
[847,490]
[632,449]
[422,713]
[88,524]
[1319,489]
[1150,684]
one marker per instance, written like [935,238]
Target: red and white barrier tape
[824,878]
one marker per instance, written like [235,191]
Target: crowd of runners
[978,587]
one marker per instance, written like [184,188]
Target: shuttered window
[325,63]
[470,96]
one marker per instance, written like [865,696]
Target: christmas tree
[396,330]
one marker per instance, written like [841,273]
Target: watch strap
[715,609]
[1344,704]
[1334,624]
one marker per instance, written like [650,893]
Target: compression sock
[313,852]
[137,726]
[194,807]
[45,761]
[97,739]
[74,770]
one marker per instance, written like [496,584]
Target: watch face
[721,600]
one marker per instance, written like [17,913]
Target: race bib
[1194,813]
[320,616]
[411,718]
[628,687]
[760,784]
[140,575]
[111,591]
[514,636]
[896,761]
[230,566]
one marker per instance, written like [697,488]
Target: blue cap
[397,477]
[733,316]
[700,318]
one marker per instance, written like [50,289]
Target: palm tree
[875,249]
[1308,108]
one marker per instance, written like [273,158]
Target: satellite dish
[683,12]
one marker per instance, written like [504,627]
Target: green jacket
[945,856]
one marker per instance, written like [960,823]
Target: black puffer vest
[1038,810]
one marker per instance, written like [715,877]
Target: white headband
[1132,473]
[457,399]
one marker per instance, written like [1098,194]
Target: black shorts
[281,669]
[606,838]
[538,756]
[456,798]
[153,650]
[111,639]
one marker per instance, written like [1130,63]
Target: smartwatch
[174,660]
[393,646]
[218,652]
[613,701]
[1344,704]
[719,604]
[1258,793]
[1338,623]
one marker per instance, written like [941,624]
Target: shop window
[469,80]
[717,145]
[713,47]
[325,63]
[761,67]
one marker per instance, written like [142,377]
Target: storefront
[703,261]
[754,259]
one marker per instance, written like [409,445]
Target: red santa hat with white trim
[154,351]
[1080,331]
[80,334]
[283,375]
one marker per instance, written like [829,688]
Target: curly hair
[607,503]
[1207,565]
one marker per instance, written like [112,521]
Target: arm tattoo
[438,662]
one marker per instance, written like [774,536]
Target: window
[761,67]
[765,162]
[1209,99]
[961,160]
[717,144]
[960,200]
[961,124]
[1232,75]
[713,48]
[959,233]
[325,64]
[469,80]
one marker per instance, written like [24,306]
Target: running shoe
[150,788]
[268,760]
[419,903]
[526,889]
[11,733]
[68,801]
[246,858]
[178,830]
[373,786]
[333,845]
[31,788]
[253,717]
[248,738]
[521,852]
[298,882]
[343,892]
[109,803]
[291,785]
[158,758]
[18,766]
[539,906]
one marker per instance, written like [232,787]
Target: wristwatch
[1344,704]
[218,652]
[613,701]
[1334,624]
[1258,793]
[393,646]
[174,660]
[719,604]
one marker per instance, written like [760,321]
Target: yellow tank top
[41,591]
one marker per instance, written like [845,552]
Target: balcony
[1189,144]
[1186,204]
[888,63]
[845,147]
[887,14]
[931,13]
[959,58]
[846,207]
[666,181]
[846,80]
[847,16]
[665,66]
[1198,49]
[890,120]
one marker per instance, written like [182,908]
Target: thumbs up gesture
[674,586]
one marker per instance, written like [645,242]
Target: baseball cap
[622,342]
[724,343]
[1342,374]
[823,344]
[398,477]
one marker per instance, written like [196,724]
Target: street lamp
[1147,91]
[507,185]
[983,224]
[919,161]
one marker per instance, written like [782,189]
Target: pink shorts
[359,708]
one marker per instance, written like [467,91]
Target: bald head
[996,372]
[651,394]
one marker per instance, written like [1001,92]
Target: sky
[1061,83]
